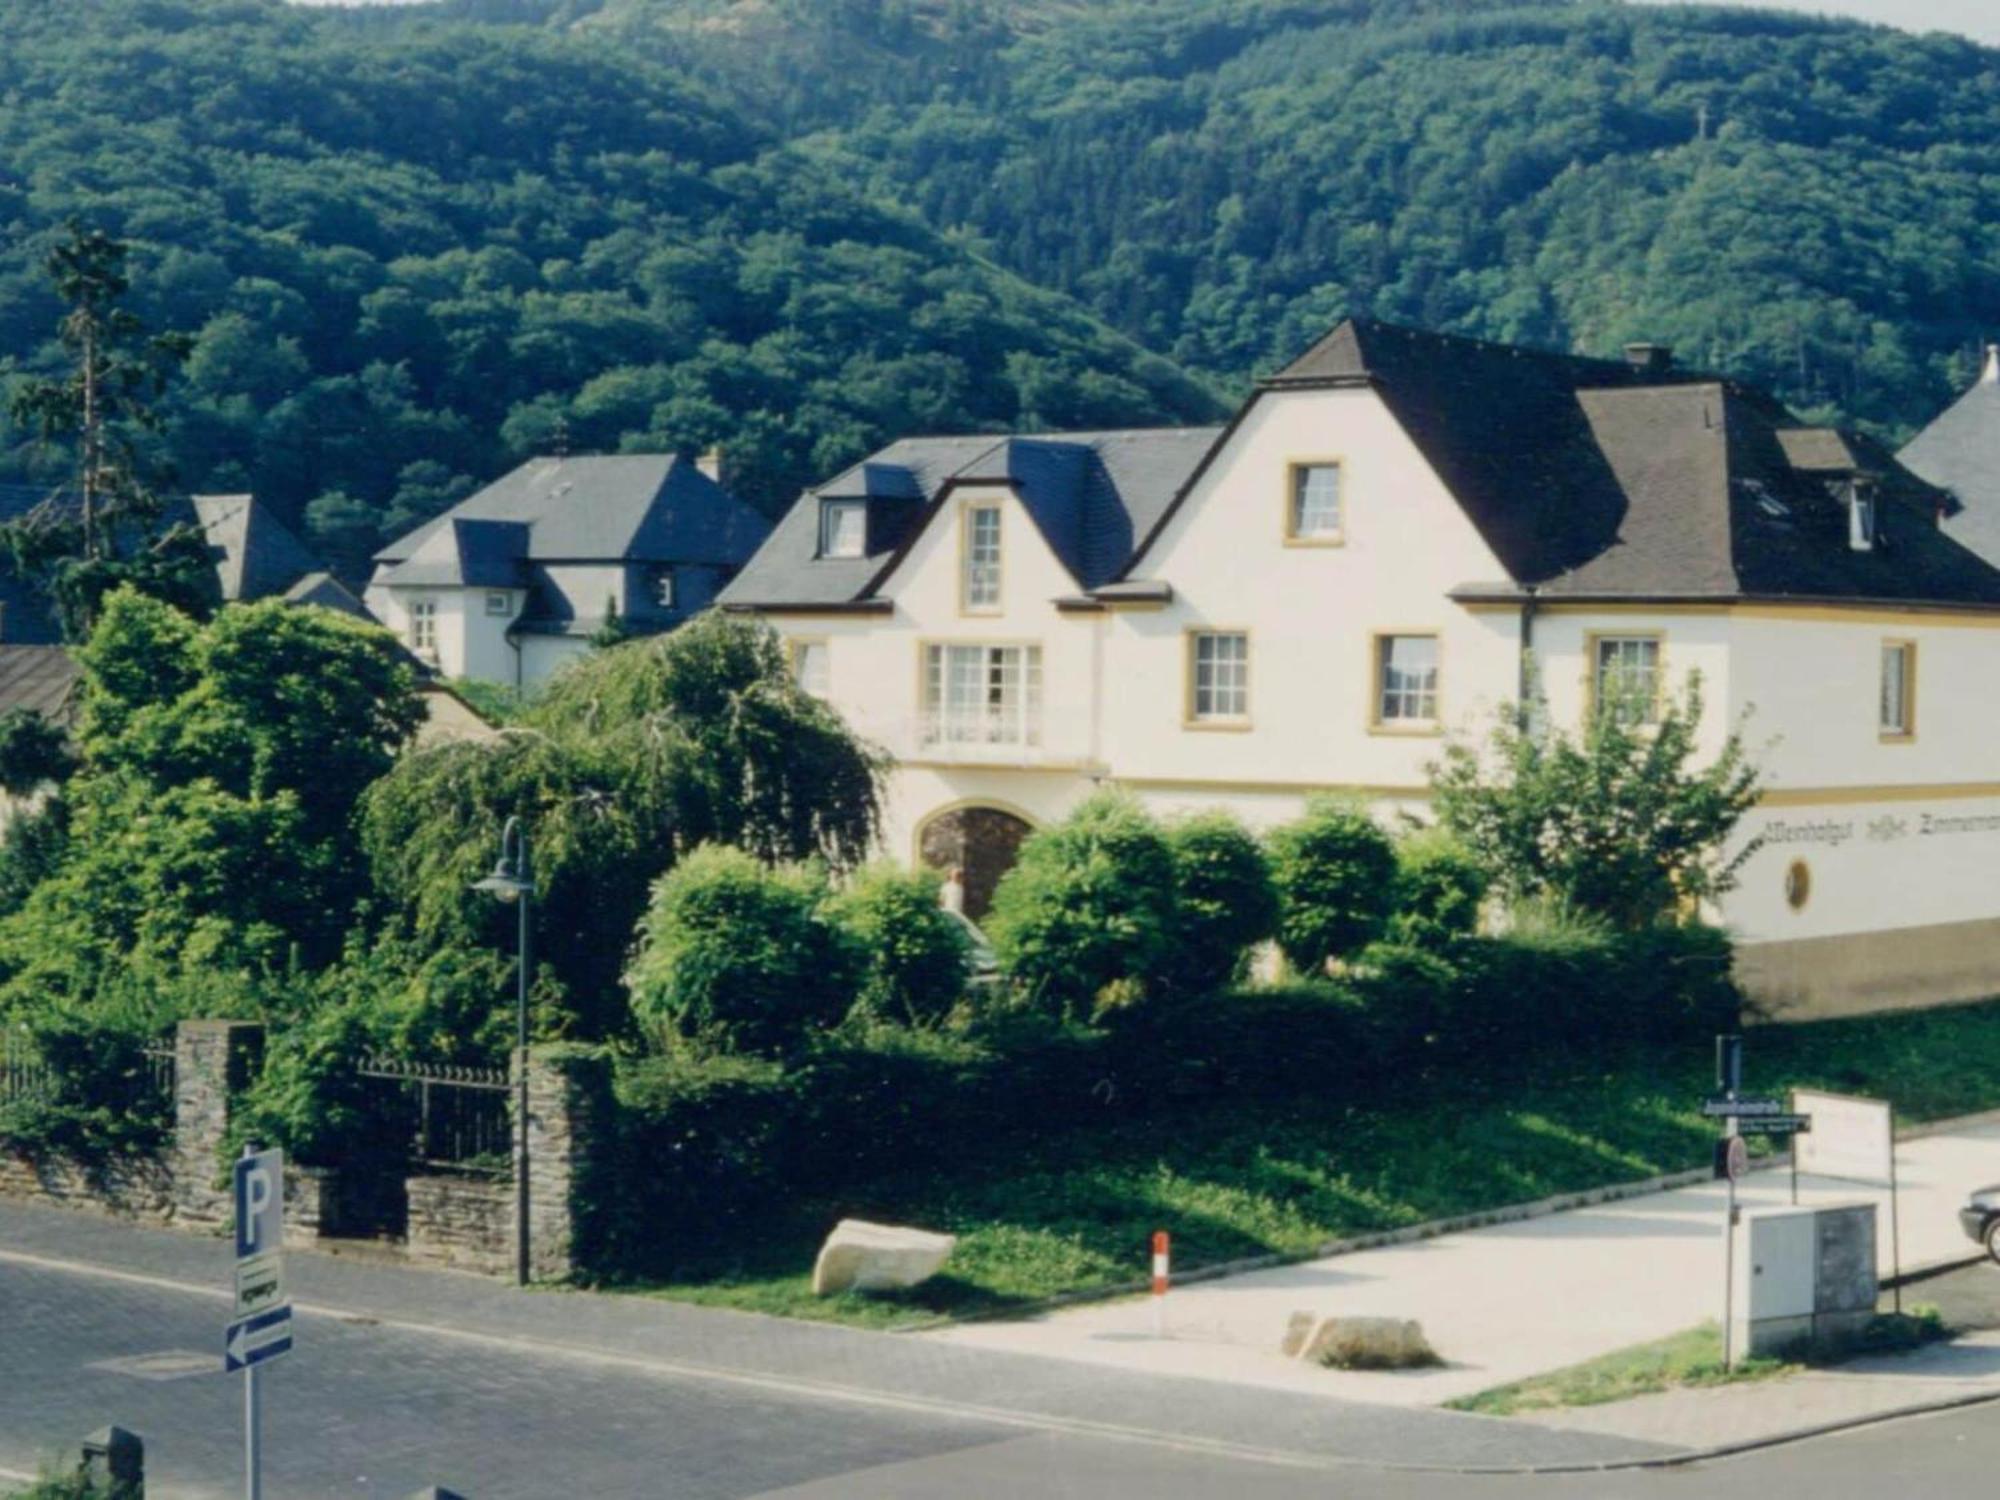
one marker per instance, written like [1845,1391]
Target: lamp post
[513,881]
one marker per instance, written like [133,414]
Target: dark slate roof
[616,508]
[1593,478]
[256,554]
[1091,495]
[41,678]
[326,591]
[1960,453]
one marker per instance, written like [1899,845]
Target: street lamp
[513,881]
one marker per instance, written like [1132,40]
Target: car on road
[1980,1218]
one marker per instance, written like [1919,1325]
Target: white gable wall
[1311,612]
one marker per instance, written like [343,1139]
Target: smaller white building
[514,581]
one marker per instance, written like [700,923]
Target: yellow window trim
[1286,530]
[1415,730]
[1592,638]
[1907,735]
[1213,724]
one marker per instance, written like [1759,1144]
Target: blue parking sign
[260,1181]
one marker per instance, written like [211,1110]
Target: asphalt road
[498,1394]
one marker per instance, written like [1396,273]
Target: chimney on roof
[1649,359]
[710,463]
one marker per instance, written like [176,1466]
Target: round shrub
[1439,888]
[1336,876]
[1089,902]
[1227,900]
[912,951]
[736,953]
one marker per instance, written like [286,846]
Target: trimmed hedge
[726,1144]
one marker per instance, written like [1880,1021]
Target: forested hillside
[416,243]
[410,258]
[1221,178]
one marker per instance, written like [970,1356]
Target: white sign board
[1851,1138]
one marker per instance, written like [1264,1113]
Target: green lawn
[1693,1358]
[1246,1177]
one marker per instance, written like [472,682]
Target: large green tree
[632,757]
[209,822]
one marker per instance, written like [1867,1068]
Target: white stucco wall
[470,642]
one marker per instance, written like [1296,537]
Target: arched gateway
[980,843]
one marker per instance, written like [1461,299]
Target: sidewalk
[1500,1303]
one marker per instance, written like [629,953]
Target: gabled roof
[1960,453]
[1090,494]
[1596,478]
[328,592]
[256,554]
[605,509]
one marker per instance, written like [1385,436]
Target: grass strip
[1073,1211]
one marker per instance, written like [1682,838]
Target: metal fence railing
[455,1114]
[22,1074]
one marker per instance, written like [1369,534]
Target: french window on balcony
[982,695]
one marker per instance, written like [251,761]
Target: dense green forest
[407,261]
[416,243]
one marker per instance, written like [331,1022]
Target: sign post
[262,1327]
[1741,1117]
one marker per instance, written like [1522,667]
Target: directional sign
[251,1341]
[1736,1109]
[1775,1124]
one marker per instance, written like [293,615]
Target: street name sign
[1736,1109]
[1775,1124]
[251,1341]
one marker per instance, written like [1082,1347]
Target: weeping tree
[632,757]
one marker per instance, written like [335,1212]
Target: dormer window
[1862,521]
[843,528]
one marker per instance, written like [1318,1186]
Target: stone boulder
[1360,1343]
[863,1257]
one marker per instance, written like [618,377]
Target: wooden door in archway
[980,843]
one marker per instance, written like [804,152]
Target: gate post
[214,1061]
[569,1110]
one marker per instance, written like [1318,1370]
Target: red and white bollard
[1162,1272]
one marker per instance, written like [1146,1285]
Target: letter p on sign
[259,1204]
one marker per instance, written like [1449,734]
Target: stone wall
[464,1220]
[141,1188]
[213,1062]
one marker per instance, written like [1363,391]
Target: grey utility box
[1802,1276]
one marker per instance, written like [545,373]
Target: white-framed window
[843,528]
[499,603]
[1314,507]
[1218,676]
[810,666]
[1625,677]
[979,585]
[424,627]
[1897,715]
[663,588]
[978,694]
[1406,681]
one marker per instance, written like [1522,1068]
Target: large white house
[1391,537]
[512,582]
